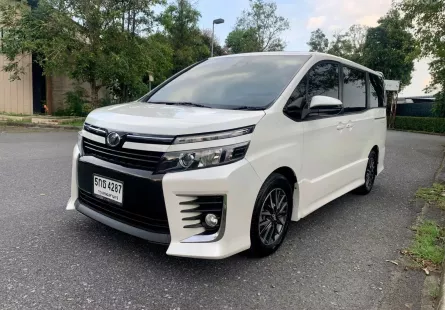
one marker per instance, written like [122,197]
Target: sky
[307,15]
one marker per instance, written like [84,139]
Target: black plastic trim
[147,235]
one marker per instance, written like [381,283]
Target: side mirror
[325,101]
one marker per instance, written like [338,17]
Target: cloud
[368,20]
[349,12]
[315,22]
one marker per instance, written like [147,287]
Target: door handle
[349,125]
[340,126]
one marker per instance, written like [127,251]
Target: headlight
[79,142]
[204,158]
[215,135]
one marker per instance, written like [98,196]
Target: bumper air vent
[195,212]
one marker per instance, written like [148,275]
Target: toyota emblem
[113,139]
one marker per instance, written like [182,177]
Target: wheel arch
[290,175]
[376,149]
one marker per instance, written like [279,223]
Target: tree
[318,41]
[83,39]
[348,45]
[261,27]
[427,20]
[242,41]
[391,49]
[206,37]
[180,22]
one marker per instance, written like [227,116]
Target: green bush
[76,104]
[426,124]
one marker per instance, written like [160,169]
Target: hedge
[426,124]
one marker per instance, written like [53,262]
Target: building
[415,99]
[33,90]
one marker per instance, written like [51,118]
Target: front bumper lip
[147,235]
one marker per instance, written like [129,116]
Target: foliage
[206,37]
[180,23]
[242,41]
[83,39]
[348,45]
[427,18]
[260,27]
[424,124]
[76,103]
[388,48]
[433,195]
[391,49]
[318,42]
[428,243]
[439,104]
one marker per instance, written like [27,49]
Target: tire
[370,174]
[270,220]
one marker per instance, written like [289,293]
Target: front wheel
[271,216]
[370,173]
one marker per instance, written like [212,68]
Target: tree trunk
[95,94]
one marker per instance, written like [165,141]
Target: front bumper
[237,182]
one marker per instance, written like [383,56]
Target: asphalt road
[333,259]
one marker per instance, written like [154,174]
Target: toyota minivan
[222,156]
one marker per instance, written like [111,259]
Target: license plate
[108,189]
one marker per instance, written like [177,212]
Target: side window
[354,90]
[321,80]
[377,98]
[324,81]
[297,101]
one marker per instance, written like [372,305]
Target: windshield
[244,82]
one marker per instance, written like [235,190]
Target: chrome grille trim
[131,136]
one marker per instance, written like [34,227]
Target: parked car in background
[221,157]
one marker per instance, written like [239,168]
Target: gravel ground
[333,259]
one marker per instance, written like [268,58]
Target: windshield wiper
[247,108]
[188,104]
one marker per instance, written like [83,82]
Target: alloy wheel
[370,172]
[273,217]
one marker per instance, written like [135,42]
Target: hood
[160,119]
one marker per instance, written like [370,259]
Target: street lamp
[216,21]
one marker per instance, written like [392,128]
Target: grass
[427,247]
[434,292]
[433,195]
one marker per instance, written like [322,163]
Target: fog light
[211,220]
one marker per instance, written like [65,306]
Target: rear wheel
[271,216]
[370,173]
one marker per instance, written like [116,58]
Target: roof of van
[318,56]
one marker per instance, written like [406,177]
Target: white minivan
[223,155]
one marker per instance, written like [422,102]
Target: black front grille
[137,159]
[122,215]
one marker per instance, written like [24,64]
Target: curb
[420,132]
[440,178]
[32,125]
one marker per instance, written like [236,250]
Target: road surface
[333,259]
